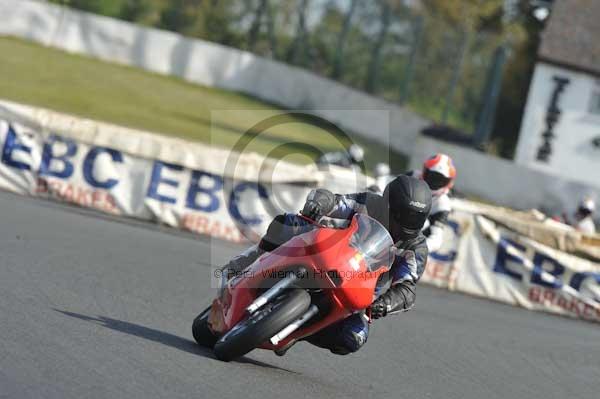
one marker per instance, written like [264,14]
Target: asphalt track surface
[95,308]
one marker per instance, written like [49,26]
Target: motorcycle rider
[351,158]
[402,209]
[439,173]
[584,216]
[382,175]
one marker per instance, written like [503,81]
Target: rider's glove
[319,202]
[380,307]
[399,298]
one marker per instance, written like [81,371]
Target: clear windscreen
[373,241]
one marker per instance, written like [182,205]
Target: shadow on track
[161,337]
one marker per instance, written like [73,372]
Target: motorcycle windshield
[373,241]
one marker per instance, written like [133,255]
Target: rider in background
[382,175]
[439,173]
[584,216]
[351,158]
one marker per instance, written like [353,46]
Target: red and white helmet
[439,173]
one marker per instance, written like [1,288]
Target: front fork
[276,290]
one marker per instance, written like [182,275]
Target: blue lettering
[10,145]
[502,257]
[209,192]
[156,180]
[578,279]
[234,210]
[48,157]
[88,167]
[539,261]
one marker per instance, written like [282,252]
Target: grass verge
[83,86]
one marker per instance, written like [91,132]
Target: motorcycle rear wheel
[262,325]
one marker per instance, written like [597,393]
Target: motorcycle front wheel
[262,324]
[201,332]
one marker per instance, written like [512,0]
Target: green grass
[78,85]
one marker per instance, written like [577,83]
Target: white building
[560,132]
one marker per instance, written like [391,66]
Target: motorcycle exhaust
[275,290]
[283,334]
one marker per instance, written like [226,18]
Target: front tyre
[200,331]
[262,324]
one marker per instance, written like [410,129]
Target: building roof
[572,35]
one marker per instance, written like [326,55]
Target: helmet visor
[409,219]
[435,180]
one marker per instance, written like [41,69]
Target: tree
[264,11]
[143,11]
[256,22]
[212,20]
[466,14]
[444,57]
[342,39]
[299,45]
[179,15]
[109,8]
[375,63]
[271,30]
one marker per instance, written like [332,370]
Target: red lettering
[201,224]
[437,272]
[187,222]
[112,203]
[67,194]
[573,307]
[81,197]
[453,275]
[215,229]
[42,186]
[549,296]
[55,187]
[534,294]
[97,199]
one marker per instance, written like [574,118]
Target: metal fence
[450,75]
[389,48]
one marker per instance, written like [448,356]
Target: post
[375,63]
[455,76]
[490,96]
[412,59]
[338,59]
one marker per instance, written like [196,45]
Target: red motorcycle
[312,281]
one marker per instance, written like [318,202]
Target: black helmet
[409,201]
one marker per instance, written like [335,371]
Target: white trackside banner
[191,187]
[483,259]
[209,197]
[120,171]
